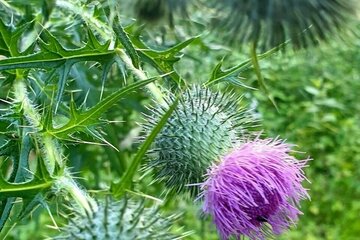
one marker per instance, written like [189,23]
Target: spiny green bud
[203,127]
[125,219]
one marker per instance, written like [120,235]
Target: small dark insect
[261,219]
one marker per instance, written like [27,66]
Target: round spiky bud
[269,23]
[203,127]
[125,219]
[253,188]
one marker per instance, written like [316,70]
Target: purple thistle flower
[253,188]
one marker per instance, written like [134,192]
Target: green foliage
[163,60]
[82,121]
[53,55]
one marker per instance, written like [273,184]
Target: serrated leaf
[9,140]
[80,121]
[218,74]
[119,188]
[29,204]
[162,60]
[21,164]
[8,147]
[53,55]
[9,38]
[94,43]
[5,209]
[41,181]
[26,189]
[20,174]
[4,50]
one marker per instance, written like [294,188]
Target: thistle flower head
[125,219]
[204,125]
[253,188]
[269,23]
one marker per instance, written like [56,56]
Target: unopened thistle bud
[125,219]
[255,190]
[204,126]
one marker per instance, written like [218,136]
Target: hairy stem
[21,95]
[155,91]
[49,146]
[51,149]
[81,198]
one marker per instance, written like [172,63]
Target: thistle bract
[204,126]
[125,219]
[255,190]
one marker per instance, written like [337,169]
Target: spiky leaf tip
[204,126]
[125,219]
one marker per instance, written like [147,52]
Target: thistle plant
[77,76]
[255,190]
[205,125]
[41,119]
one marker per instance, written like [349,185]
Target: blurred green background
[317,92]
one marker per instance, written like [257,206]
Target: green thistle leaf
[53,55]
[163,60]
[82,121]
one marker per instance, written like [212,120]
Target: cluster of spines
[125,219]
[204,126]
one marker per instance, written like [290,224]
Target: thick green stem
[81,198]
[155,91]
